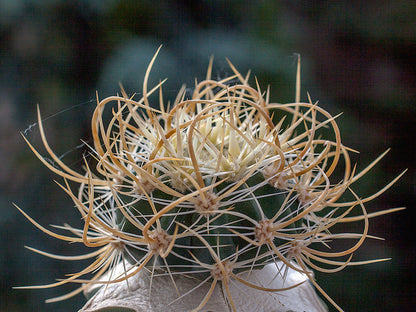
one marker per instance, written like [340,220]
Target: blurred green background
[358,57]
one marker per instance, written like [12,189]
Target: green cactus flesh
[256,202]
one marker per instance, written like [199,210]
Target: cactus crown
[222,182]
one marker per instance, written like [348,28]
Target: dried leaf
[134,295]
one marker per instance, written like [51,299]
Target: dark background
[358,57]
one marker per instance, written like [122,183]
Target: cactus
[220,183]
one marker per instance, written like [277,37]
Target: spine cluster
[221,181]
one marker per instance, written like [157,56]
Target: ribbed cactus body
[259,201]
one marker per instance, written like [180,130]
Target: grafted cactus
[219,184]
